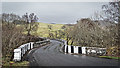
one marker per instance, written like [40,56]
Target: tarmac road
[50,55]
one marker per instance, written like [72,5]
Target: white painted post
[25,47]
[65,48]
[83,50]
[20,51]
[76,49]
[69,49]
[65,42]
[31,45]
[17,54]
[24,50]
[28,46]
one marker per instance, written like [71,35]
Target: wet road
[50,55]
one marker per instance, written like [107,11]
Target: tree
[112,14]
[50,27]
[97,16]
[49,30]
[30,22]
[60,34]
[111,11]
[9,17]
[119,31]
[87,33]
[56,34]
[11,38]
[68,34]
[63,27]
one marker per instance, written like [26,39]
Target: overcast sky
[54,12]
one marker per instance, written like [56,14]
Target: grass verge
[109,57]
[12,63]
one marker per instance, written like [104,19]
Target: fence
[21,51]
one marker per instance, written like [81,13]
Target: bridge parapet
[23,49]
[82,50]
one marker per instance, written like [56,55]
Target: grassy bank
[6,62]
[43,30]
[109,57]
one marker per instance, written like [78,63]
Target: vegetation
[7,62]
[12,35]
[12,63]
[111,11]
[97,32]
[44,31]
[109,57]
[30,22]
[100,32]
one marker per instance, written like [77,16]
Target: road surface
[50,55]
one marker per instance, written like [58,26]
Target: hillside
[43,29]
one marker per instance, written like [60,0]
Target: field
[43,30]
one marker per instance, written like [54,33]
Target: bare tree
[56,34]
[111,11]
[30,22]
[49,30]
[11,38]
[50,27]
[87,33]
[67,35]
[9,17]
[60,34]
[97,16]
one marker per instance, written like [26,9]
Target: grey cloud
[63,12]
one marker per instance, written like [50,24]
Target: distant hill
[70,24]
[52,23]
[43,30]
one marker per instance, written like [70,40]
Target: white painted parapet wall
[21,51]
[82,50]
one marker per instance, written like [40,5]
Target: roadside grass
[109,57]
[12,63]
[6,62]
